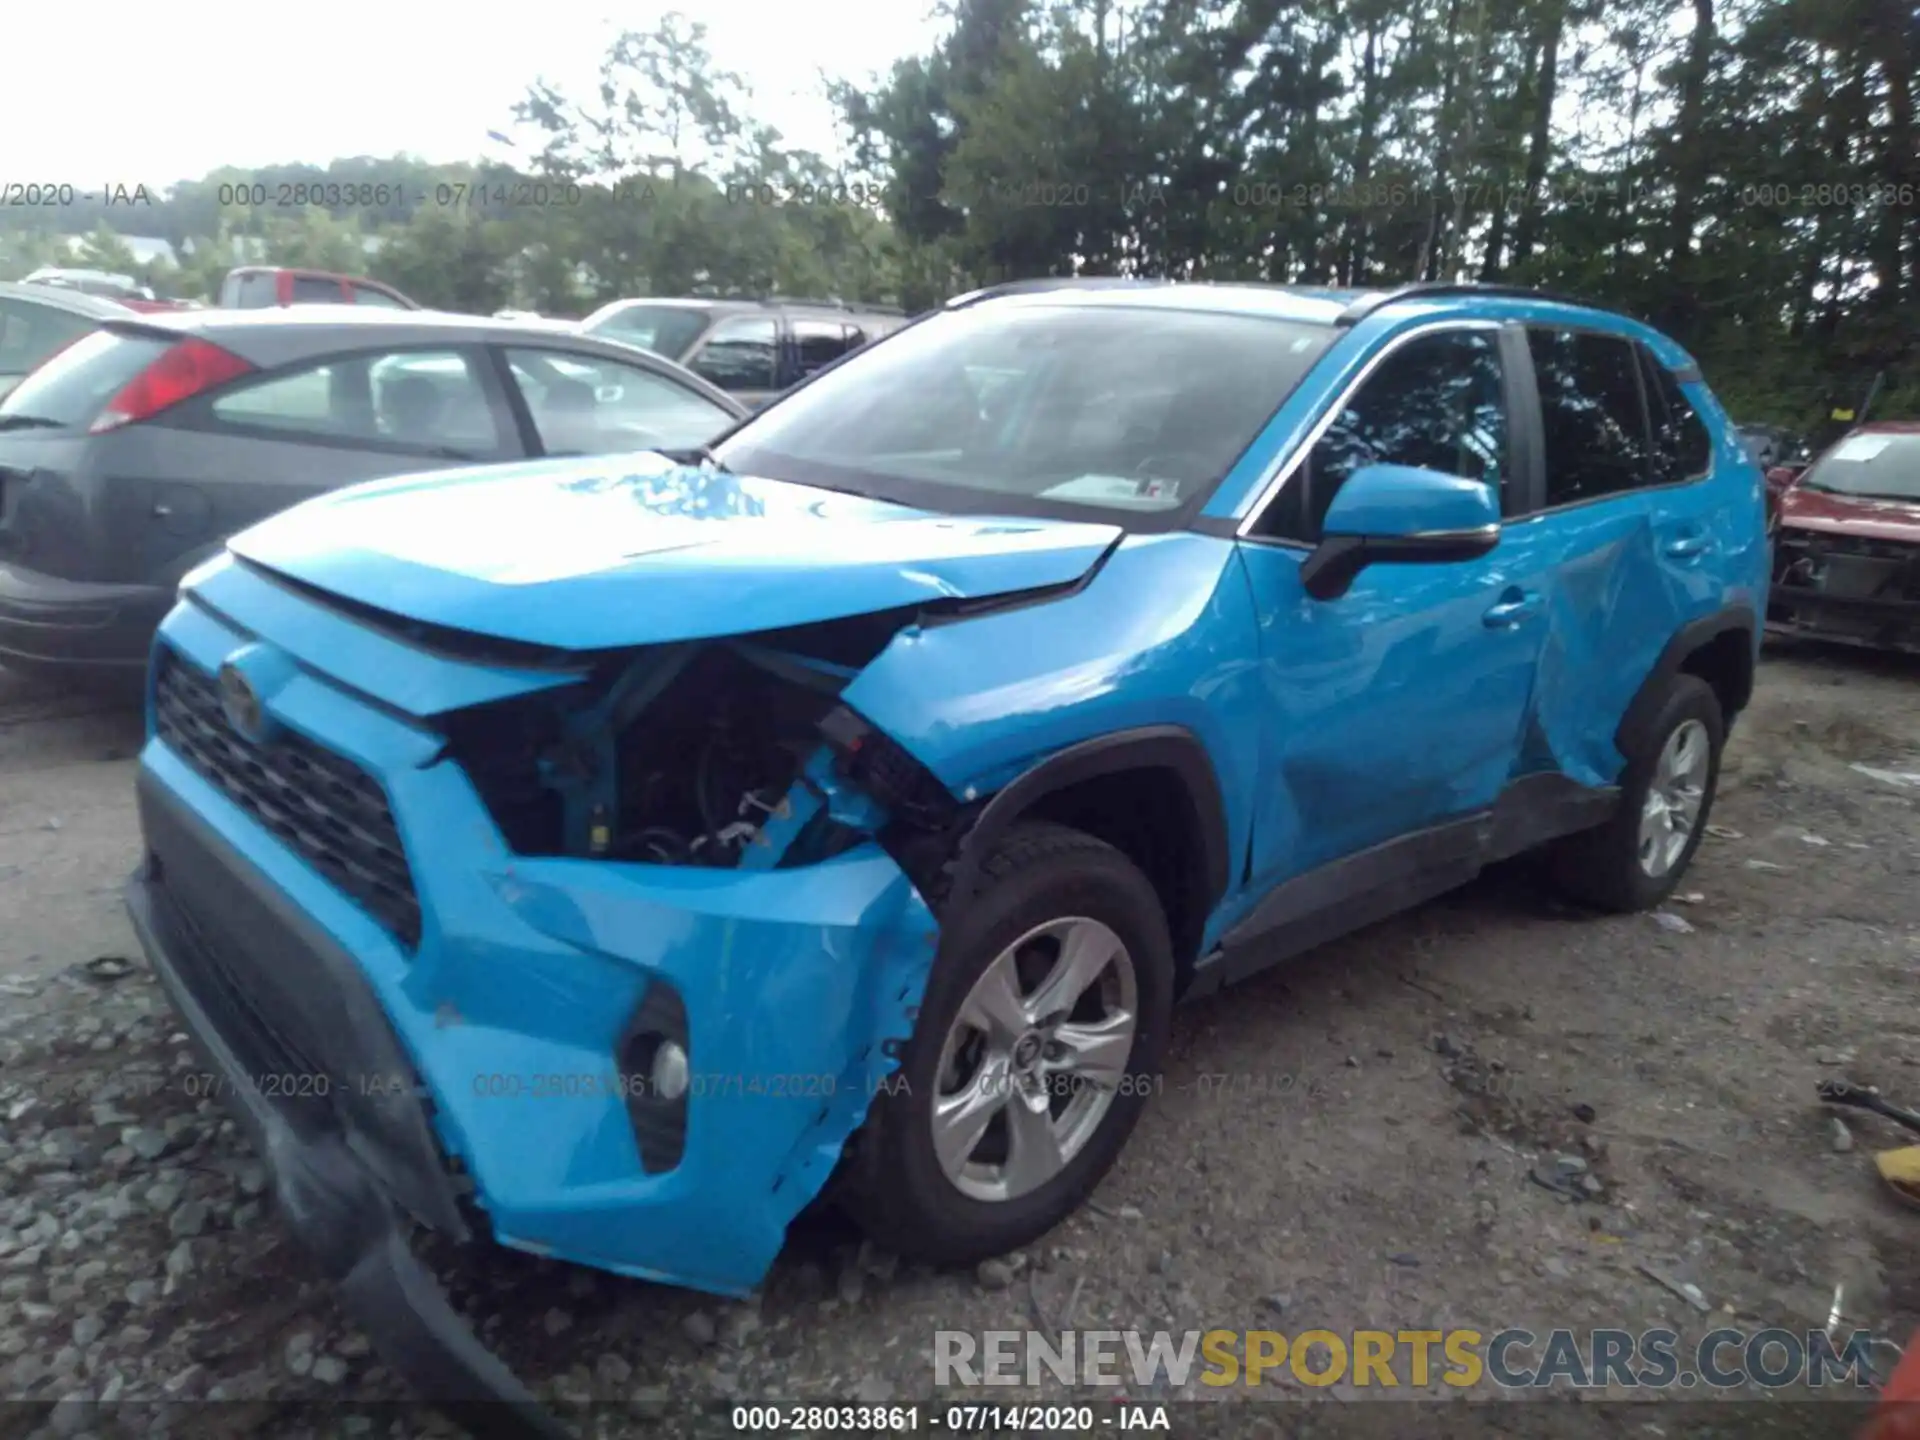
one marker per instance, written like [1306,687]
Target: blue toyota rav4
[611,857]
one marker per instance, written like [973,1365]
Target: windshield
[668,330]
[1045,410]
[1883,466]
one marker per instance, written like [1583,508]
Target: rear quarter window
[1683,447]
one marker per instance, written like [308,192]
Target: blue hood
[599,554]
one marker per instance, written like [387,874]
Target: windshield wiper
[29,422]
[695,455]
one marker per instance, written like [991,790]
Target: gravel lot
[1346,1142]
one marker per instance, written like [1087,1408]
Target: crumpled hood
[636,550]
[1860,515]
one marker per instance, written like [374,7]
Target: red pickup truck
[260,287]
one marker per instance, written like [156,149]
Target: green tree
[24,251]
[449,259]
[104,250]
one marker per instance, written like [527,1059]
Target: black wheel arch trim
[1147,747]
[1686,641]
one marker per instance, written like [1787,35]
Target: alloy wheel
[1033,1060]
[1675,794]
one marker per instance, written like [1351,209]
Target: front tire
[1038,1041]
[1637,858]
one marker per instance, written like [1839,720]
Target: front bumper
[53,625]
[1796,612]
[328,1193]
[502,1021]
[1851,589]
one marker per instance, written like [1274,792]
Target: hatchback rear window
[72,388]
[30,332]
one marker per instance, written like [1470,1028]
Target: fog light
[655,1061]
[669,1075]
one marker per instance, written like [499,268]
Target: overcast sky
[158,94]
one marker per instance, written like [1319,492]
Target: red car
[261,287]
[121,289]
[1846,547]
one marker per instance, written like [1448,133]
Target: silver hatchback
[128,458]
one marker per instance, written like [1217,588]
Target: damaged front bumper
[467,1058]
[1845,588]
[326,1192]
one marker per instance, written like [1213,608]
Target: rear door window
[1591,407]
[584,405]
[821,342]
[256,290]
[312,290]
[740,354]
[72,388]
[367,295]
[432,402]
[667,330]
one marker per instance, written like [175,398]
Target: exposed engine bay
[726,754]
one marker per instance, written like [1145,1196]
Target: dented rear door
[1633,547]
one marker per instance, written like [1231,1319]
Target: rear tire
[1044,888]
[1637,858]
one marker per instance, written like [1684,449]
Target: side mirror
[1781,476]
[1400,514]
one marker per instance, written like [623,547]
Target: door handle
[1514,607]
[1689,547]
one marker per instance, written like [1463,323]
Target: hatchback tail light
[181,372]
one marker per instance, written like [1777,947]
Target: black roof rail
[1050,282]
[1422,289]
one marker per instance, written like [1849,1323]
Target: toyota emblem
[238,700]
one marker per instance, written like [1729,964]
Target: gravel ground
[1351,1141]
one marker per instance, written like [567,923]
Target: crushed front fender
[799,988]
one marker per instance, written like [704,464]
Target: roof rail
[1049,282]
[833,302]
[1421,289]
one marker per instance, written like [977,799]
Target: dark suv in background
[753,348]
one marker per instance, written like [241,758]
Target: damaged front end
[1856,589]
[731,754]
[603,958]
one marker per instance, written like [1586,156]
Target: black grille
[325,808]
